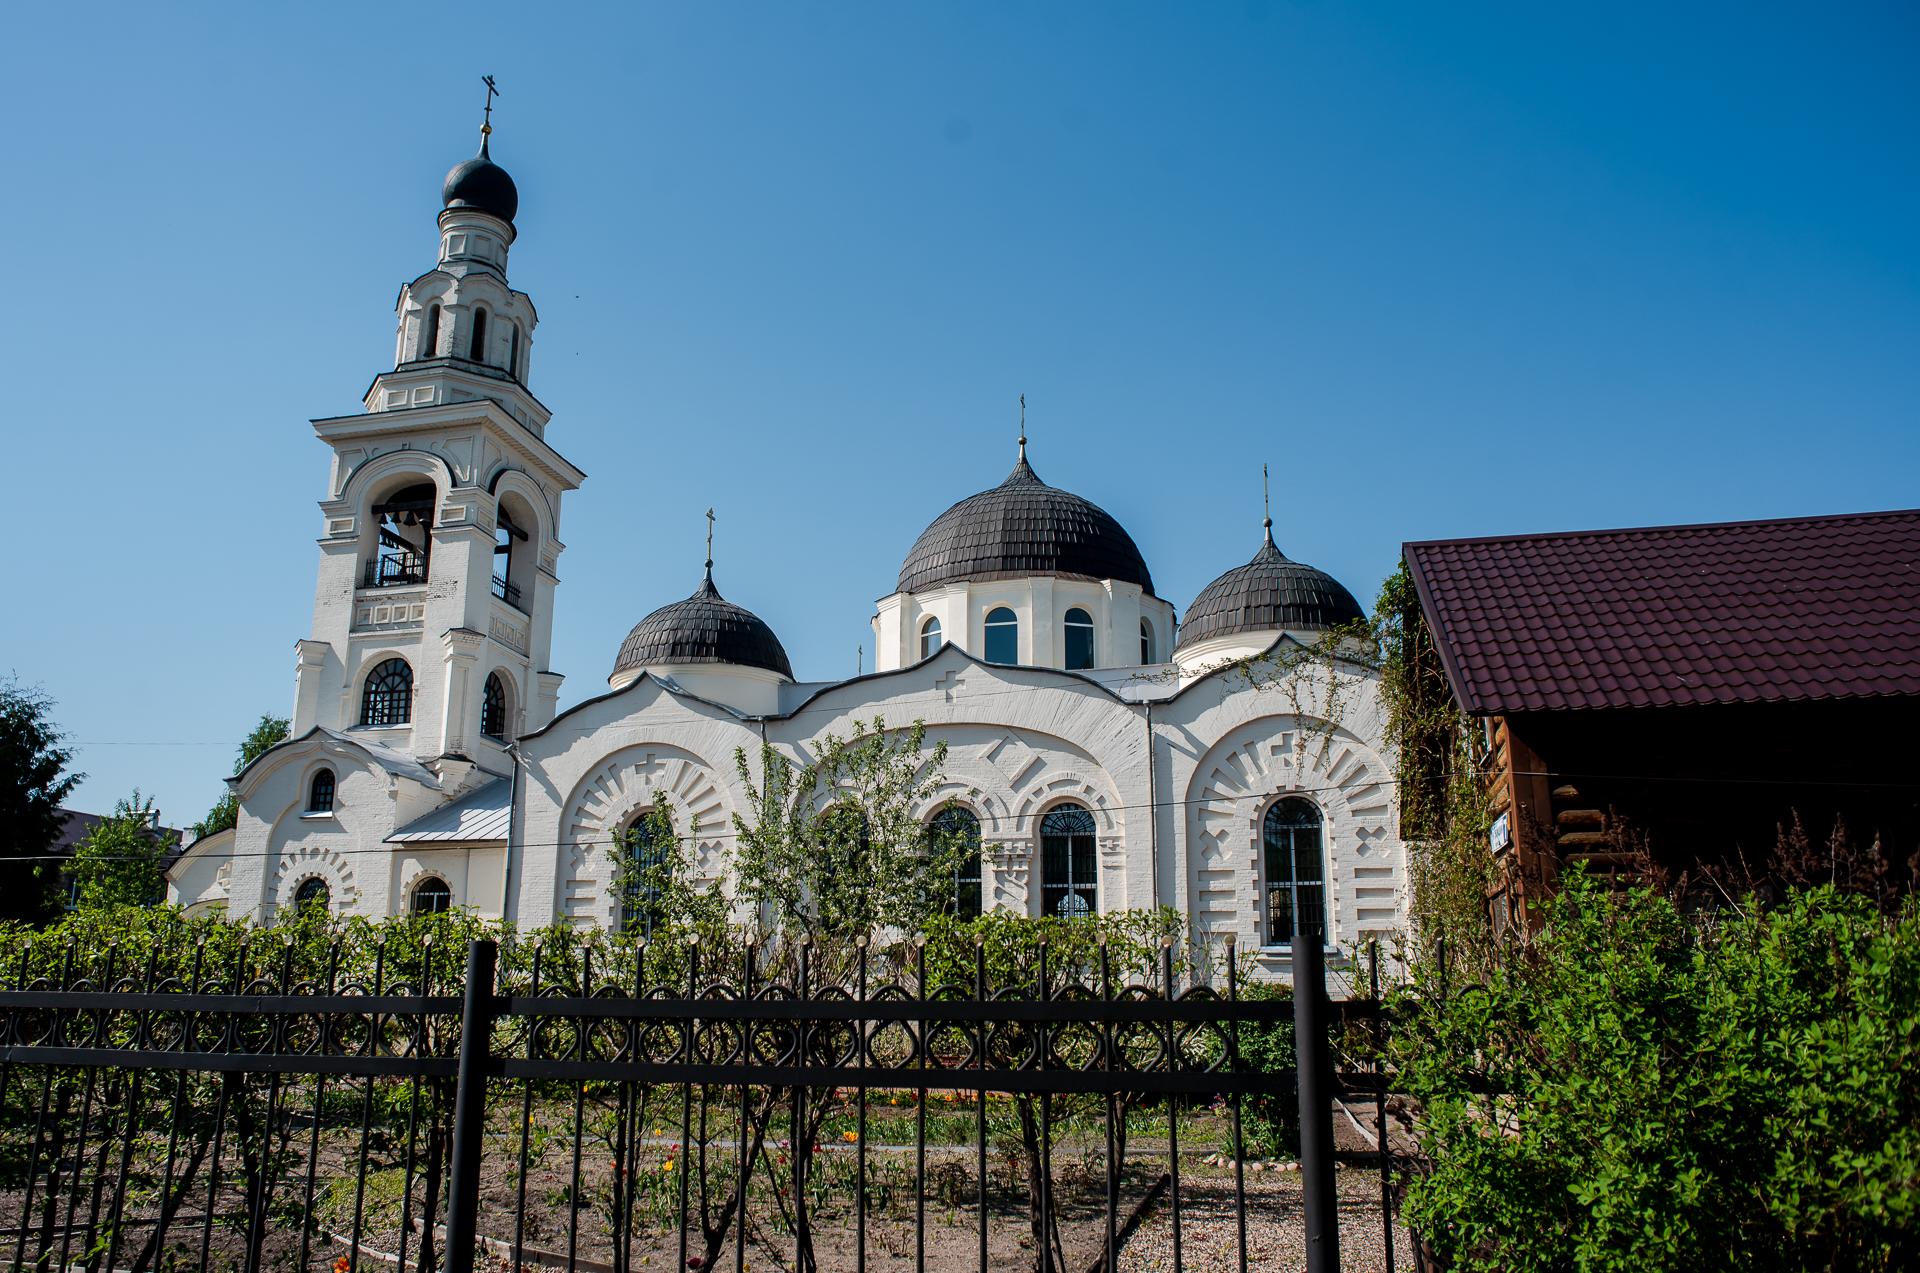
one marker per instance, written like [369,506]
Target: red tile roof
[1735,612]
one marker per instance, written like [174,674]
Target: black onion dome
[705,628]
[482,185]
[1023,527]
[1269,593]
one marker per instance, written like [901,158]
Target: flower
[667,1165]
[852,1138]
[342,1265]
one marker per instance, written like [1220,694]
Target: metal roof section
[1271,592]
[482,815]
[1790,610]
[1020,528]
[397,763]
[705,628]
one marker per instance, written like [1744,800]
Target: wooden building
[1679,695]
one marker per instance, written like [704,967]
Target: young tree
[836,847]
[271,731]
[33,782]
[120,862]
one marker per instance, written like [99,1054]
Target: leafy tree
[1647,1090]
[33,783]
[121,861]
[271,731]
[836,848]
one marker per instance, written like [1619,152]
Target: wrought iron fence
[799,1109]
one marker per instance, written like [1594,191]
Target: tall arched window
[1069,863]
[431,896]
[478,350]
[430,332]
[388,698]
[403,537]
[493,708]
[1003,636]
[513,350]
[1079,639]
[646,850]
[931,638]
[1146,642]
[1291,838]
[320,792]
[313,893]
[955,830]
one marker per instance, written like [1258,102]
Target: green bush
[1645,1090]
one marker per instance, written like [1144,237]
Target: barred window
[431,896]
[955,829]
[644,851]
[313,892]
[493,708]
[1069,853]
[1291,836]
[320,793]
[388,699]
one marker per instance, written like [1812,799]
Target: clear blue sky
[1450,269]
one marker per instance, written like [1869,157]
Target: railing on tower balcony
[395,568]
[509,593]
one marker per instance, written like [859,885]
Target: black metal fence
[703,1110]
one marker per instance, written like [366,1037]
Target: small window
[1069,857]
[645,853]
[956,830]
[388,699]
[493,708]
[513,350]
[1146,642]
[1291,840]
[478,350]
[930,638]
[430,332]
[1079,639]
[313,894]
[431,896]
[1003,636]
[320,793]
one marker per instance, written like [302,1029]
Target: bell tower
[439,544]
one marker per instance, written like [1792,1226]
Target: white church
[1105,751]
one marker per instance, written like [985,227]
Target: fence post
[1314,1065]
[470,1108]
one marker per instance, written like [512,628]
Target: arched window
[512,553]
[320,792]
[313,893]
[388,698]
[1003,636]
[404,537]
[493,708]
[1146,642]
[1069,860]
[931,638]
[1291,839]
[956,831]
[1079,639]
[646,850]
[513,350]
[430,332]
[478,350]
[431,896]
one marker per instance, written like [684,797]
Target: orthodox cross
[486,125]
[709,543]
[1023,426]
[1266,503]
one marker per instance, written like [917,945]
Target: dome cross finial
[1266,505]
[486,123]
[709,545]
[1023,428]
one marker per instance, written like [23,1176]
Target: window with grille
[956,830]
[313,892]
[1292,836]
[646,853]
[320,793]
[431,896]
[493,708]
[1069,861]
[388,699]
